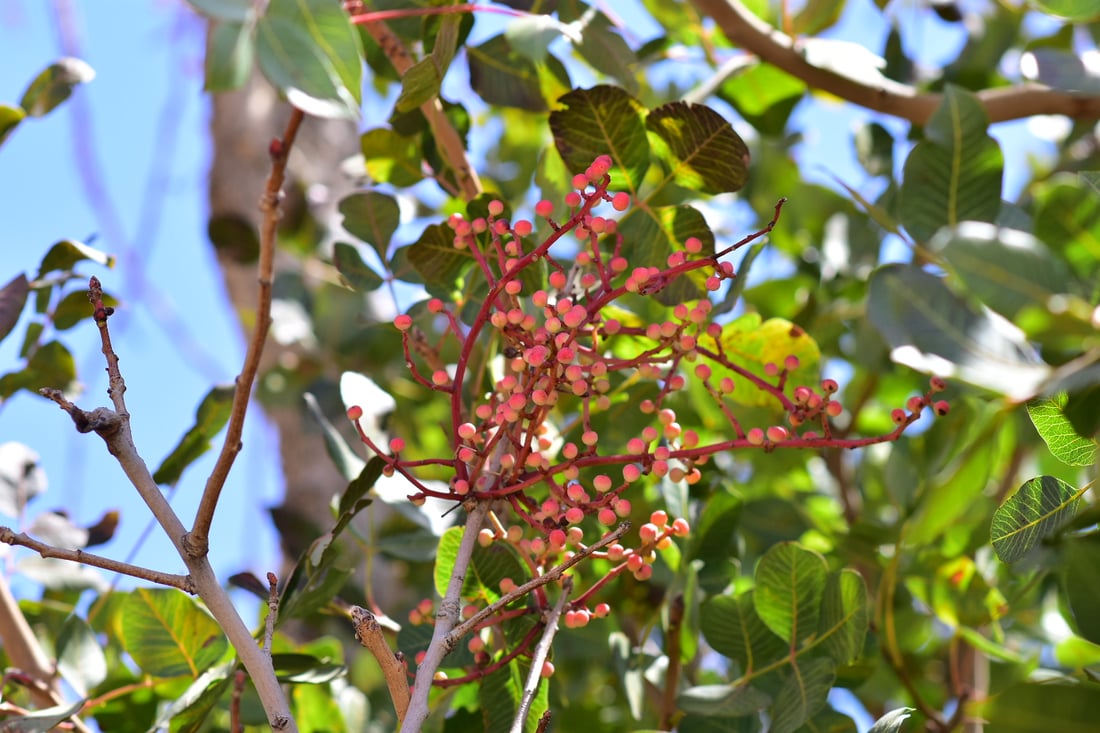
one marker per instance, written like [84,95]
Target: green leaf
[80,659]
[168,634]
[1039,509]
[75,307]
[43,720]
[54,85]
[434,256]
[1081,582]
[790,583]
[722,700]
[844,615]
[1078,11]
[932,330]
[305,668]
[892,721]
[601,46]
[188,711]
[655,232]
[700,147]
[51,366]
[505,76]
[803,693]
[734,628]
[954,174]
[764,95]
[10,117]
[419,85]
[391,158]
[13,297]
[1006,269]
[814,17]
[309,52]
[713,539]
[229,54]
[1032,706]
[62,256]
[875,149]
[531,36]
[603,120]
[751,343]
[488,566]
[354,496]
[210,417]
[372,217]
[1058,433]
[499,695]
[356,273]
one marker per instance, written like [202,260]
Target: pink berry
[755,436]
[620,201]
[829,386]
[403,322]
[355,412]
[777,433]
[941,407]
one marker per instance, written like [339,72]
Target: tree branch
[449,609]
[114,428]
[538,659]
[10,537]
[369,633]
[197,541]
[744,29]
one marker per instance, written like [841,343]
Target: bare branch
[369,633]
[197,541]
[449,609]
[542,650]
[114,428]
[183,582]
[890,97]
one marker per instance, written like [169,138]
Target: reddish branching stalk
[569,355]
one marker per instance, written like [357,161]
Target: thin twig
[747,31]
[542,651]
[197,540]
[10,537]
[369,633]
[672,651]
[272,612]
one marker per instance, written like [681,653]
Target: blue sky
[174,333]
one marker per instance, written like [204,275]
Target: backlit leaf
[229,56]
[10,117]
[1058,433]
[1041,507]
[1033,706]
[391,158]
[700,147]
[356,272]
[168,634]
[603,120]
[751,343]
[734,629]
[954,174]
[790,583]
